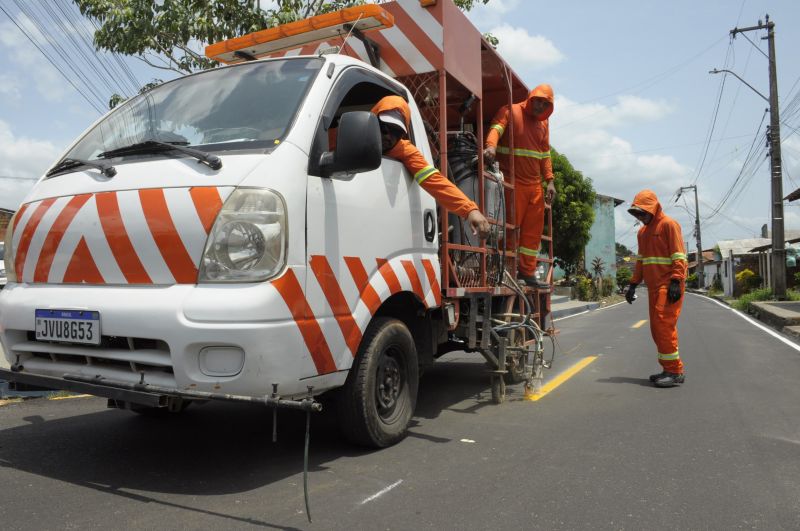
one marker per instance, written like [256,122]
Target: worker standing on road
[662,265]
[532,164]
[395,119]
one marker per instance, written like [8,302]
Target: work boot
[532,281]
[670,379]
[654,377]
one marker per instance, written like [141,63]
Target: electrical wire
[714,114]
[80,91]
[745,173]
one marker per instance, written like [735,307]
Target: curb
[566,312]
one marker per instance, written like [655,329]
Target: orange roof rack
[287,36]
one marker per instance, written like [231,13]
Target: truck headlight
[8,253]
[248,240]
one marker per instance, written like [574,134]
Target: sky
[635,105]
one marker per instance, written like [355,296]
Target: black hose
[305,465]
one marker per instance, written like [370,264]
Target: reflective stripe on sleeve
[424,173]
[678,256]
[669,357]
[656,260]
[519,152]
[499,128]
[528,251]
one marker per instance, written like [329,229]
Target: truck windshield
[248,106]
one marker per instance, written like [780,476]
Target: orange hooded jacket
[662,255]
[531,138]
[428,177]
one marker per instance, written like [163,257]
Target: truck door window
[356,90]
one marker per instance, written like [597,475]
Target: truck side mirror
[358,145]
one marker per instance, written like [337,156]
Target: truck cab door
[358,222]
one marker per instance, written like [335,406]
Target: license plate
[73,326]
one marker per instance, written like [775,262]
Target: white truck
[201,242]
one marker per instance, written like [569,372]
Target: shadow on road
[626,380]
[213,448]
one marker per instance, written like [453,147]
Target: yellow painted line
[640,323]
[71,396]
[561,378]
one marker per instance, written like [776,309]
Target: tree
[598,267]
[624,275]
[621,250]
[573,213]
[168,34]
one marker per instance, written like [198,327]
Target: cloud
[628,110]
[584,134]
[10,87]
[488,15]
[524,51]
[21,158]
[48,82]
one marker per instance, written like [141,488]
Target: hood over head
[647,201]
[543,91]
[393,103]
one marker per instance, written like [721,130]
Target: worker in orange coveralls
[532,164]
[662,265]
[395,119]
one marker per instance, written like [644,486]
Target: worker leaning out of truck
[395,119]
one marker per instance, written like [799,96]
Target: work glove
[490,155]
[674,292]
[630,295]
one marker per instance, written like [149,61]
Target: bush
[744,302]
[691,281]
[608,286]
[747,281]
[624,276]
[716,284]
[584,288]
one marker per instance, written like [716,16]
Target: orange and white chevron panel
[414,45]
[148,236]
[352,290]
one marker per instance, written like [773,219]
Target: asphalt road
[604,450]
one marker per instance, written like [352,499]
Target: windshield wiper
[70,162]
[213,161]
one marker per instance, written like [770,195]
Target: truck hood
[147,225]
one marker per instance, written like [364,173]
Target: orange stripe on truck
[367,293]
[18,216]
[389,276]
[292,293]
[208,203]
[60,225]
[81,268]
[413,277]
[169,243]
[118,240]
[333,293]
[431,273]
[27,236]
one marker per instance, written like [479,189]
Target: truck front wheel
[380,394]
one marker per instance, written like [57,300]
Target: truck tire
[378,399]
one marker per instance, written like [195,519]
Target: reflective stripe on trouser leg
[530,216]
[664,328]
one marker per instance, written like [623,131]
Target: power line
[714,115]
[60,71]
[13,178]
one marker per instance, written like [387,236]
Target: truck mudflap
[145,394]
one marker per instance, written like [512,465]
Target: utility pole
[699,268]
[774,138]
